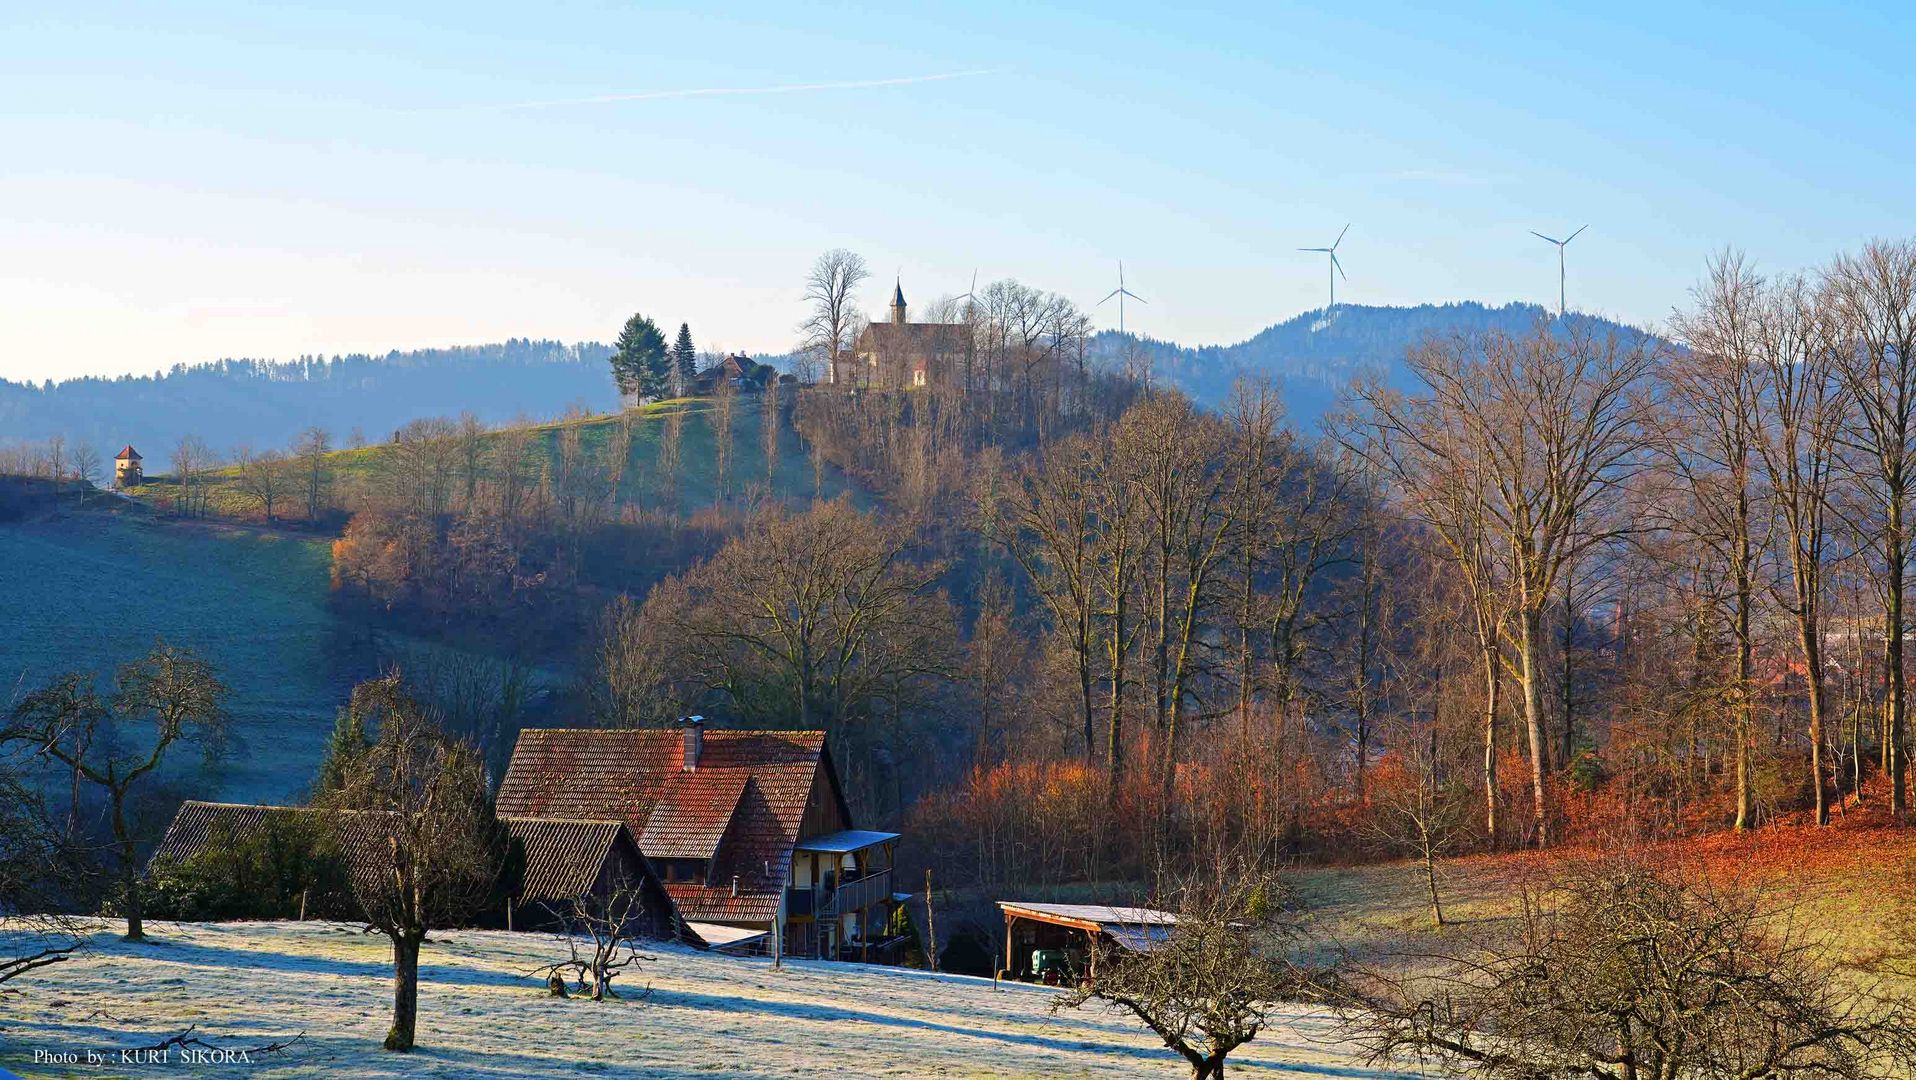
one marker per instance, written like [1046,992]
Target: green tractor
[1055,967]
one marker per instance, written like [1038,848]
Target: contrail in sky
[739,91]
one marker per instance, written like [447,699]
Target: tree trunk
[1745,671]
[1531,632]
[1493,684]
[1893,660]
[129,870]
[1430,880]
[405,992]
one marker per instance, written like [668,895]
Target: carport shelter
[1030,926]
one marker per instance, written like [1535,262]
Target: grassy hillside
[640,484]
[1850,887]
[484,1013]
[90,591]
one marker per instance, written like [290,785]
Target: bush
[262,875]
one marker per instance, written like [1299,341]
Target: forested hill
[266,403]
[1315,358]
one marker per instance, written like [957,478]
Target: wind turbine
[1336,269]
[1561,244]
[1121,292]
[970,296]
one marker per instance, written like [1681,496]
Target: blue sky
[221,179]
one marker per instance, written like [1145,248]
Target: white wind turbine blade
[1573,235]
[1340,267]
[1552,239]
[1340,237]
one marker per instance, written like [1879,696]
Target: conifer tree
[639,361]
[684,357]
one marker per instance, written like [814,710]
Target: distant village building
[901,353]
[748,829]
[740,371]
[126,468]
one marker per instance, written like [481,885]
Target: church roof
[916,337]
[898,295]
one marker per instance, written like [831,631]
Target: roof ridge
[710,731]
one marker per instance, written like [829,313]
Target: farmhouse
[126,468]
[1081,930]
[748,829]
[551,865]
[901,353]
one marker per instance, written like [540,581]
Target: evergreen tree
[343,747]
[684,357]
[639,363]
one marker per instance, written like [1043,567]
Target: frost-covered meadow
[482,1016]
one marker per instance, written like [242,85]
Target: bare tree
[601,930]
[35,866]
[1525,444]
[413,807]
[769,421]
[262,477]
[1212,984]
[1804,407]
[811,620]
[1711,448]
[315,469]
[1041,523]
[1872,296]
[671,448]
[724,410]
[1418,811]
[86,464]
[1621,970]
[472,456]
[172,690]
[192,460]
[829,288]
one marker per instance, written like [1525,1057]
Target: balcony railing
[857,893]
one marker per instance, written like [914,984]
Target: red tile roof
[128,454]
[742,807]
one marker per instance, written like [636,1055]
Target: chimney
[694,742]
[734,884]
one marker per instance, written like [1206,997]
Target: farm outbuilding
[551,864]
[1083,930]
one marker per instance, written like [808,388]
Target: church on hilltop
[899,353]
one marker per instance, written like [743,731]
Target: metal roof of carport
[850,840]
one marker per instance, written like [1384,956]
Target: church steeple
[898,304]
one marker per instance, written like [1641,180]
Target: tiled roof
[690,819]
[751,787]
[128,454]
[702,903]
[915,337]
[563,858]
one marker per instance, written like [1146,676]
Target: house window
[918,377]
[687,871]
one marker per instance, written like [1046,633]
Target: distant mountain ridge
[1314,358]
[265,403]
